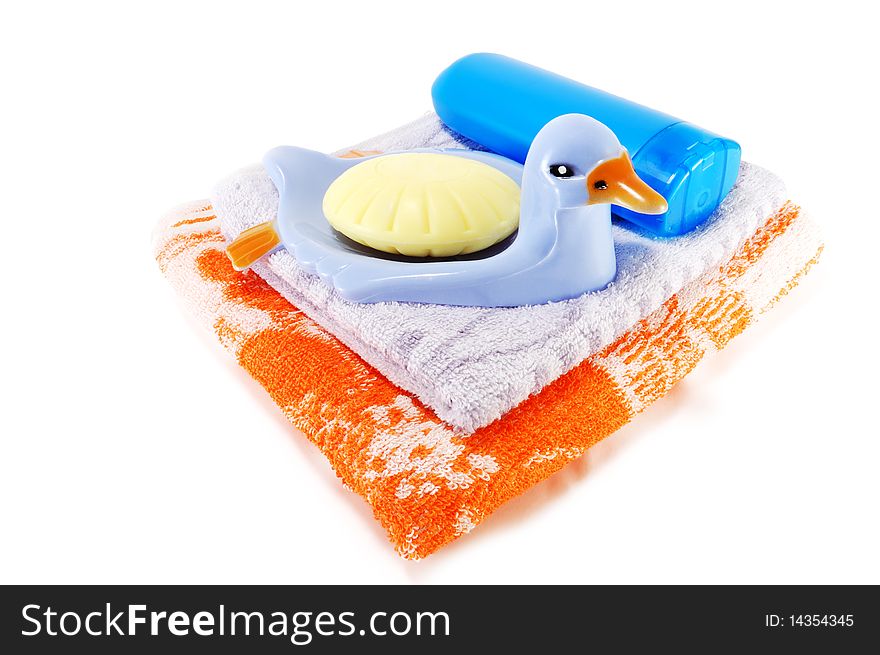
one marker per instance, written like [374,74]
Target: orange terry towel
[427,483]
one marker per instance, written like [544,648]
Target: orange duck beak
[614,182]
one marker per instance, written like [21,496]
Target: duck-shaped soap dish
[456,227]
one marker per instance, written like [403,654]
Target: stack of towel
[437,415]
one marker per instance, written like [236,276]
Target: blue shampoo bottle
[502,103]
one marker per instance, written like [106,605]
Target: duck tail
[252,244]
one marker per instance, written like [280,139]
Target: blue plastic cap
[690,167]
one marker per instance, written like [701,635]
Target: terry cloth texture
[471,365]
[427,482]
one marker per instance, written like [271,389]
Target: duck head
[582,162]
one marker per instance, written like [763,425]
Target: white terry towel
[471,365]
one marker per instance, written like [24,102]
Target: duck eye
[562,170]
[600,185]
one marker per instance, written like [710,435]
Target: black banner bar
[542,619]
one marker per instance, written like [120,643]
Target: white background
[135,450]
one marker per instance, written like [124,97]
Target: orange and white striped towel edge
[428,484]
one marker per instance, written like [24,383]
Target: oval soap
[423,204]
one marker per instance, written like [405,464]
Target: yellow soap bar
[423,204]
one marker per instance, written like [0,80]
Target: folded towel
[471,365]
[426,482]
